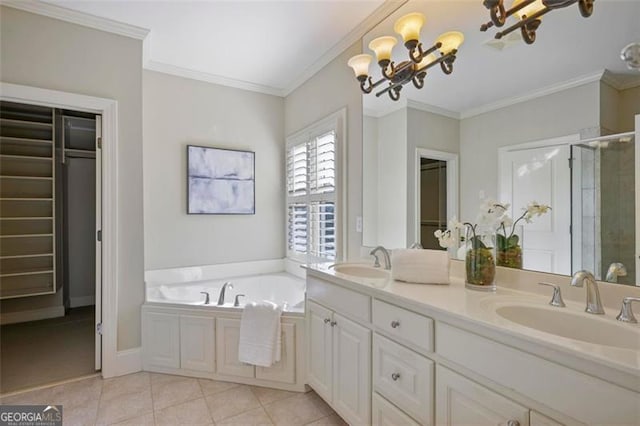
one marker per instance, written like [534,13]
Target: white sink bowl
[584,327]
[361,271]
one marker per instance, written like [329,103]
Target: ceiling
[260,44]
[273,46]
[568,48]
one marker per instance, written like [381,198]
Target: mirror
[509,107]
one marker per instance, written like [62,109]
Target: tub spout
[222,292]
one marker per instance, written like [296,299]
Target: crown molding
[609,78]
[433,109]
[76,17]
[377,16]
[387,109]
[211,78]
[559,87]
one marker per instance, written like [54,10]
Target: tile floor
[161,399]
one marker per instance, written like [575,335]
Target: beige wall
[180,112]
[555,115]
[48,53]
[629,108]
[328,91]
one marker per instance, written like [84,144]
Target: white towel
[420,266]
[260,334]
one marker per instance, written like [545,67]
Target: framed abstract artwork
[220,181]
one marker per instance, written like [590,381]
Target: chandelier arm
[395,93]
[418,80]
[416,54]
[586,7]
[441,59]
[385,90]
[522,23]
[364,88]
[506,14]
[392,67]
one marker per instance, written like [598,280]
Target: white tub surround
[183,335]
[386,351]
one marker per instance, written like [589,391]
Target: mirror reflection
[552,122]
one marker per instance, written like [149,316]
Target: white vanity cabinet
[339,350]
[197,343]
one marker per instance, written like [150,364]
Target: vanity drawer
[387,414]
[340,299]
[405,325]
[404,378]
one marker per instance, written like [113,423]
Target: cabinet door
[161,340]
[459,401]
[319,349]
[387,414]
[285,370]
[197,343]
[351,370]
[538,419]
[227,340]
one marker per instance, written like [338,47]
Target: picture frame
[220,181]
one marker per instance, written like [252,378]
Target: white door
[197,343]
[98,271]
[320,351]
[227,341]
[283,371]
[162,340]
[351,370]
[459,401]
[543,175]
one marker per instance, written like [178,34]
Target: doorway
[51,289]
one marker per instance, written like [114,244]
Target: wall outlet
[359,224]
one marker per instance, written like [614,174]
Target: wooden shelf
[31,272]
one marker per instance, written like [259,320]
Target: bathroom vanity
[385,352]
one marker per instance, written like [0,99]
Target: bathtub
[282,288]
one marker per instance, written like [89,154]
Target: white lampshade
[360,64]
[409,26]
[450,40]
[529,10]
[382,46]
[427,60]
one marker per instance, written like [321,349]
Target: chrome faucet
[626,313]
[616,269]
[222,291]
[594,304]
[207,299]
[385,254]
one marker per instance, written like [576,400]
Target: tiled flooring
[161,399]
[24,363]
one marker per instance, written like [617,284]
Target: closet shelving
[27,204]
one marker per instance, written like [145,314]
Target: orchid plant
[511,240]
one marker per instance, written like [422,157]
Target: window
[312,200]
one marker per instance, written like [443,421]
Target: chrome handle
[327,320]
[207,300]
[395,376]
[513,423]
[236,303]
[395,324]
[626,312]
[556,299]
[333,323]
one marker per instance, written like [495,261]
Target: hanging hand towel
[420,266]
[260,334]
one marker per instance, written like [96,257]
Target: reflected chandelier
[529,13]
[420,60]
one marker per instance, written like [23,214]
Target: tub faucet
[594,304]
[222,291]
[207,299]
[385,254]
[616,269]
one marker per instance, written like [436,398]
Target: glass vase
[480,265]
[509,248]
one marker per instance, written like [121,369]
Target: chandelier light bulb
[360,65]
[409,27]
[529,10]
[450,40]
[382,46]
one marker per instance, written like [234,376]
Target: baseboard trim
[127,362]
[31,315]
[76,302]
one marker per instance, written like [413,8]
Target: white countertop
[475,311]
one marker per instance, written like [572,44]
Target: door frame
[108,109]
[452,183]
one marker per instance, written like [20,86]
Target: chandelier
[412,70]
[529,14]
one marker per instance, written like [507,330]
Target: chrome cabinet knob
[556,299]
[513,423]
[327,320]
[333,323]
[395,324]
[395,376]
[626,312]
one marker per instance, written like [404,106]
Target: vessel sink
[577,326]
[361,271]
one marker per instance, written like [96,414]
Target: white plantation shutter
[311,197]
